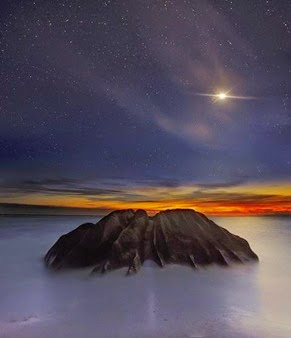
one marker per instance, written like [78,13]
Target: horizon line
[105,211]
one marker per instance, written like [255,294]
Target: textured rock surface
[126,238]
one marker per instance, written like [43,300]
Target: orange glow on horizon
[210,207]
[247,199]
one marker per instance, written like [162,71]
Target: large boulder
[126,238]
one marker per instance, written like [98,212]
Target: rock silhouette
[127,238]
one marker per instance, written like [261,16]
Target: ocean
[239,301]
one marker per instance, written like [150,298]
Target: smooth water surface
[241,301]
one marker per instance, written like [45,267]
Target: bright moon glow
[226,95]
[222,96]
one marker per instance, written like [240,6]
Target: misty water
[241,301]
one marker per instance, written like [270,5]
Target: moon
[221,96]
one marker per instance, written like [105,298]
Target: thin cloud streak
[236,197]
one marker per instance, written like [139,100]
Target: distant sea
[242,301]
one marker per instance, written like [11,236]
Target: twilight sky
[99,104]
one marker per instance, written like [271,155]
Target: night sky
[100,104]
